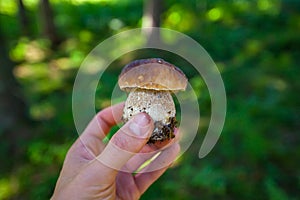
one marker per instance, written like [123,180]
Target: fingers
[162,162]
[103,121]
[97,129]
[128,141]
[137,160]
[166,143]
[147,152]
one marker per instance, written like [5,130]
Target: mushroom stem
[159,105]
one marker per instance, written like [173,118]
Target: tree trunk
[151,18]
[23,18]
[47,22]
[12,110]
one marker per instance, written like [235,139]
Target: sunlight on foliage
[198,85]
[79,2]
[242,5]
[253,47]
[62,64]
[35,71]
[18,53]
[34,53]
[47,153]
[179,18]
[8,7]
[174,17]
[85,36]
[116,24]
[8,187]
[42,111]
[269,6]
[30,51]
[39,78]
[215,14]
[77,57]
[31,3]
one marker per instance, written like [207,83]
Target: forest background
[255,44]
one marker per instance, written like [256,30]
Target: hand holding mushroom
[150,83]
[94,169]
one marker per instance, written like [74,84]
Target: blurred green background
[255,44]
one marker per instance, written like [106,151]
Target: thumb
[128,141]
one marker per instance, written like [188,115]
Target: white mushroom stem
[158,104]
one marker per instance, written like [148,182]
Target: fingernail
[141,119]
[139,125]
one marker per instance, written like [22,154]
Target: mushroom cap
[154,74]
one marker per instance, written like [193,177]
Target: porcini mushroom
[150,83]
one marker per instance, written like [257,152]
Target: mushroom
[150,83]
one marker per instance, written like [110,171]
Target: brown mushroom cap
[153,73]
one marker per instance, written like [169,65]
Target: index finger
[103,121]
[100,126]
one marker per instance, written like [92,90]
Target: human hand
[95,170]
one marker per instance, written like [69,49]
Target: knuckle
[121,142]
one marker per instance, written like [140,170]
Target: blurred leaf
[210,179]
[274,192]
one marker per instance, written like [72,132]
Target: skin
[95,170]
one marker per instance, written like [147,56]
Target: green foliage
[256,47]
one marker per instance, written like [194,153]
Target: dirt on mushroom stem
[159,105]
